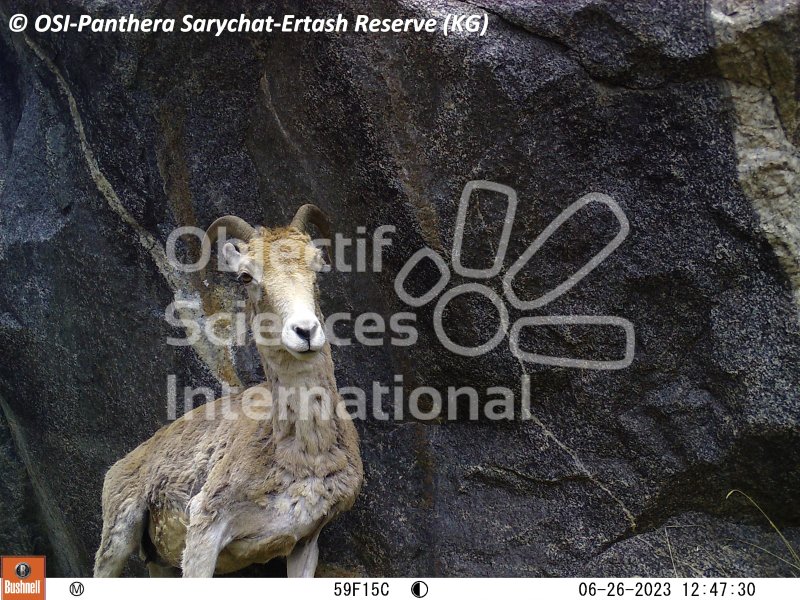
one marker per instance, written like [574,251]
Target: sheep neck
[304,398]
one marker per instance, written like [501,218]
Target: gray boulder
[110,141]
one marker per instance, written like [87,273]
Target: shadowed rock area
[110,141]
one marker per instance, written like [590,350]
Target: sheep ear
[321,255]
[317,262]
[232,257]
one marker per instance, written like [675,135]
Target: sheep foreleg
[302,562]
[204,541]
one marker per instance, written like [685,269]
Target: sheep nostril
[303,333]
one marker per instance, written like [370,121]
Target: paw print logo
[516,329]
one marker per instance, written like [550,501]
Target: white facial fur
[283,284]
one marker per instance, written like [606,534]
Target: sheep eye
[245,278]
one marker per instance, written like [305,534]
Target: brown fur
[246,478]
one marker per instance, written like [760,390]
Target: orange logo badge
[23,578]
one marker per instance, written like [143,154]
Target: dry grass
[792,551]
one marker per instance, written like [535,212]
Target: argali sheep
[252,476]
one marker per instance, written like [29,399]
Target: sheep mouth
[306,354]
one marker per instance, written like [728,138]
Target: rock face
[108,142]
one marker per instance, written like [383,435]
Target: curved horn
[234,228]
[309,214]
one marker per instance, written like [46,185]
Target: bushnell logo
[23,570]
[23,578]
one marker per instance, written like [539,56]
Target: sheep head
[278,269]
